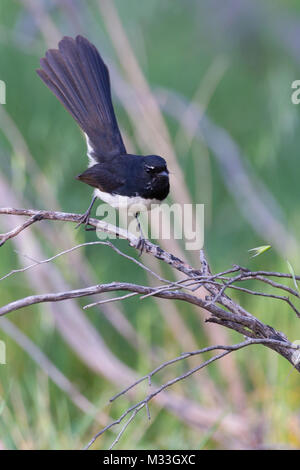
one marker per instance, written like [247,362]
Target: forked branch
[221,309]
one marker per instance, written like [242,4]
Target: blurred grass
[175,45]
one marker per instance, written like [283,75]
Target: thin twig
[13,233]
[201,351]
[141,404]
[113,299]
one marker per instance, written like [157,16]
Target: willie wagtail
[77,75]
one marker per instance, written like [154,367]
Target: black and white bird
[77,75]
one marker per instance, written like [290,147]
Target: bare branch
[141,404]
[13,233]
[232,315]
[100,225]
[221,308]
[195,353]
[113,299]
[144,403]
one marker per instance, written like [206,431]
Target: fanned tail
[77,75]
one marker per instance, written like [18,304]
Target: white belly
[132,204]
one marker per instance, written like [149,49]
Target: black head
[155,168]
[156,165]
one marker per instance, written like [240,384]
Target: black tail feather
[77,75]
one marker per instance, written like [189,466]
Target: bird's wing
[103,178]
[77,75]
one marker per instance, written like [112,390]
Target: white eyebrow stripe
[90,151]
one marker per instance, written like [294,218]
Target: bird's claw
[84,220]
[141,245]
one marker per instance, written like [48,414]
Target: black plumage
[130,177]
[77,75]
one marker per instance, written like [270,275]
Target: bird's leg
[84,219]
[141,243]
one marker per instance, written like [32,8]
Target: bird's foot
[141,245]
[84,220]
[141,242]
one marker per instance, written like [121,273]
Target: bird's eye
[150,168]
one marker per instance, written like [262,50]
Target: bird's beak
[163,173]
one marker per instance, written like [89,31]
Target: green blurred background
[207,84]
